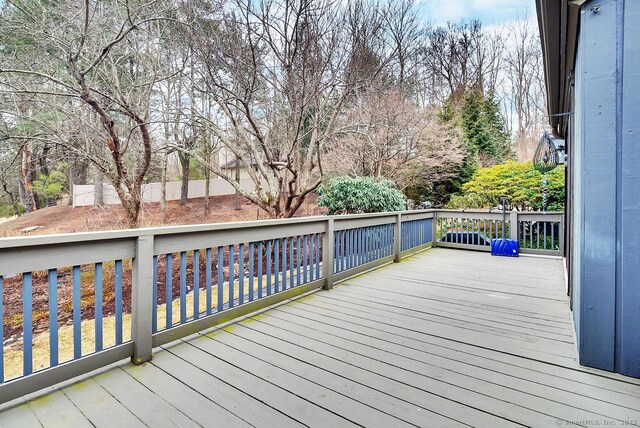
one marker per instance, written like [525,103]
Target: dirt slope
[65,219]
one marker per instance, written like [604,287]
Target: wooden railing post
[142,300]
[397,239]
[328,256]
[513,225]
[434,229]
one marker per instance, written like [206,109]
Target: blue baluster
[260,272]
[77,314]
[169,291]
[251,256]
[276,267]
[98,305]
[354,240]
[220,288]
[232,279]
[27,323]
[269,252]
[118,302]
[154,299]
[53,317]
[284,263]
[337,251]
[310,253]
[241,274]
[295,265]
[208,280]
[362,246]
[183,287]
[196,284]
[318,256]
[305,258]
[350,241]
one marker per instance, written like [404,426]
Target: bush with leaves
[520,182]
[9,210]
[354,195]
[51,187]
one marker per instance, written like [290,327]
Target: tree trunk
[82,169]
[44,169]
[26,179]
[98,189]
[71,177]
[184,187]
[237,198]
[207,179]
[163,189]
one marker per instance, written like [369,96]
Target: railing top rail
[447,211]
[55,239]
[540,213]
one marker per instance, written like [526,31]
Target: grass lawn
[13,355]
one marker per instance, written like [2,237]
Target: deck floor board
[445,338]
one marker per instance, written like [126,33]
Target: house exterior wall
[605,147]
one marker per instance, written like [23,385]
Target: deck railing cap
[63,238]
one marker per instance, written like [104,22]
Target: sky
[489,12]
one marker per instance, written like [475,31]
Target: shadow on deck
[445,338]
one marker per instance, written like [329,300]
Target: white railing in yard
[73,303]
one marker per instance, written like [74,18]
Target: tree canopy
[290,92]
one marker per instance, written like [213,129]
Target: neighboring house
[229,168]
[592,68]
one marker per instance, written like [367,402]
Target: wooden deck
[445,338]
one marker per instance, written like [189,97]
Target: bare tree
[406,33]
[524,89]
[103,56]
[461,56]
[276,72]
[387,136]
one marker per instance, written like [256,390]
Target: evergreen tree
[484,134]
[476,129]
[497,128]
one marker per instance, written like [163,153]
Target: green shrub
[7,210]
[347,195]
[51,186]
[520,182]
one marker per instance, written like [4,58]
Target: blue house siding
[628,310]
[607,186]
[577,220]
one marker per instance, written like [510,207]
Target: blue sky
[489,12]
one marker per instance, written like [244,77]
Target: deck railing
[70,304]
[536,232]
[73,303]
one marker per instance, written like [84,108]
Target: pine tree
[497,128]
[484,134]
[475,125]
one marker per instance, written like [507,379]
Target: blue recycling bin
[504,247]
